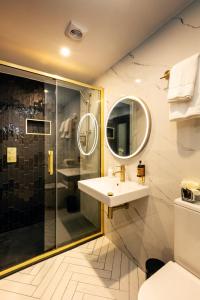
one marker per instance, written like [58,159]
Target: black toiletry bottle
[141,172]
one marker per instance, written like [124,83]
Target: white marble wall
[173,151]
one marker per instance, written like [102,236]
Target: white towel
[62,127]
[190,109]
[68,128]
[182,80]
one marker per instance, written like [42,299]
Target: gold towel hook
[166,75]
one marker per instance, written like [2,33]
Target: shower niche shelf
[38,127]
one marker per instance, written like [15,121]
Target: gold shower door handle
[50,162]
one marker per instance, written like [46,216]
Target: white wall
[173,151]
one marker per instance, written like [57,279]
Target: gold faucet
[122,172]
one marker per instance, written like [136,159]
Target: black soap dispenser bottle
[141,172]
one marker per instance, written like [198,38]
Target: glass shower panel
[77,215]
[90,163]
[27,208]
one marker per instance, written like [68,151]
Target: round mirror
[87,134]
[128,127]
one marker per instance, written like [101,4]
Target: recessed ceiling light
[46,91]
[65,51]
[138,80]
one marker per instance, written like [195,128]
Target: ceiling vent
[75,31]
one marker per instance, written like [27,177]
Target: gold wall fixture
[50,153]
[11,155]
[166,75]
[50,162]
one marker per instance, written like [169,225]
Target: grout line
[67,286]
[113,262]
[120,273]
[53,278]
[97,296]
[75,288]
[20,282]
[61,279]
[18,293]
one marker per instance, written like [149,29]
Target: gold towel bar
[166,75]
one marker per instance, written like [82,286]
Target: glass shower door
[49,139]
[27,190]
[78,216]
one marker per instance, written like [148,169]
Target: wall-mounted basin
[111,191]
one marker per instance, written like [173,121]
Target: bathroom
[67,68]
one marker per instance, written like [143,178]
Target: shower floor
[71,226]
[21,244]
[97,270]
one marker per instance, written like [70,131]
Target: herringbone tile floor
[97,270]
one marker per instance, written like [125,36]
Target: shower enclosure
[49,139]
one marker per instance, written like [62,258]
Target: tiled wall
[172,153]
[22,183]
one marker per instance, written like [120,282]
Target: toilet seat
[171,282]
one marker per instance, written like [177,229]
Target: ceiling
[32,32]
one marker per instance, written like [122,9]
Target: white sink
[123,192]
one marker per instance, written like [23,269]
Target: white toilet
[179,280]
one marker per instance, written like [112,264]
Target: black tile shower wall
[22,184]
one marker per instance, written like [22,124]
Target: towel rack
[166,75]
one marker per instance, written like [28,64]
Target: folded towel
[182,80]
[62,127]
[190,109]
[68,128]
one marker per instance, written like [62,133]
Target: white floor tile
[98,245]
[89,271]
[70,290]
[21,277]
[78,296]
[96,270]
[133,281]
[116,270]
[92,297]
[94,280]
[16,287]
[81,255]
[54,282]
[110,257]
[84,262]
[104,250]
[13,296]
[43,271]
[124,280]
[60,289]
[102,292]
[47,279]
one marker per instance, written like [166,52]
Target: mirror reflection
[128,127]
[87,134]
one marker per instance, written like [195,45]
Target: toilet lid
[172,282]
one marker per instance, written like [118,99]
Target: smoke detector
[75,31]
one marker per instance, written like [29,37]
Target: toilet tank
[187,235]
